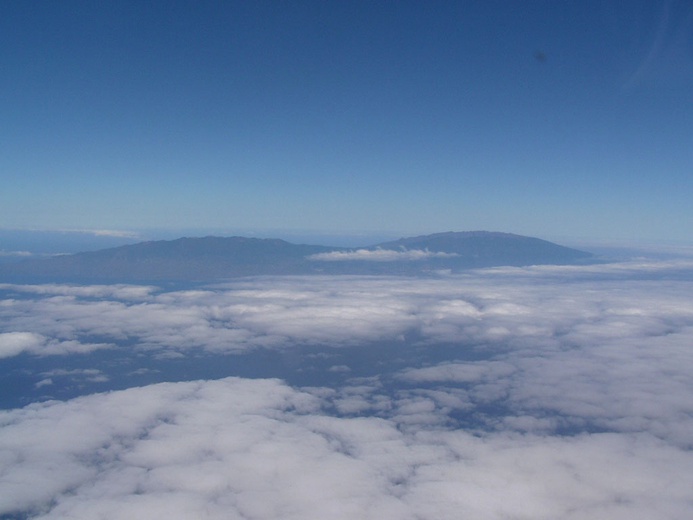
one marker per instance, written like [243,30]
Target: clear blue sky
[545,118]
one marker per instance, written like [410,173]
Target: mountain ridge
[211,258]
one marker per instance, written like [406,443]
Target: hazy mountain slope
[213,258]
[486,249]
[191,259]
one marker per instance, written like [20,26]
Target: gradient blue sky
[545,118]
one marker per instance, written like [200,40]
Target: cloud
[114,233]
[548,308]
[239,448]
[458,372]
[379,255]
[14,343]
[563,390]
[119,291]
[15,253]
[86,374]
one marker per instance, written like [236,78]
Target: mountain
[488,249]
[190,259]
[214,258]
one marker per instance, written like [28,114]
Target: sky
[543,118]
[509,393]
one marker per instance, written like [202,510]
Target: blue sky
[551,119]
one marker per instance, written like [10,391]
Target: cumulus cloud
[15,343]
[380,255]
[548,308]
[239,448]
[458,372]
[563,390]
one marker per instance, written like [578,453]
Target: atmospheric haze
[522,392]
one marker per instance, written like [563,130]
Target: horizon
[16,244]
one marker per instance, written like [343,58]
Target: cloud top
[238,448]
[563,391]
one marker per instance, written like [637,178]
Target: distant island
[215,258]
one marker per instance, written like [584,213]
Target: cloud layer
[258,449]
[547,392]
[547,308]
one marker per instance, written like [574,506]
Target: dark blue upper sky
[549,118]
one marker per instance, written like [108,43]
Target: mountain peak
[490,248]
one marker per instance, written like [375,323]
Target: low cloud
[92,375]
[565,391]
[458,372]
[379,255]
[522,309]
[21,254]
[114,233]
[120,291]
[239,448]
[15,343]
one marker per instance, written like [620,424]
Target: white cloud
[115,233]
[258,449]
[14,343]
[548,307]
[459,372]
[379,255]
[564,391]
[15,253]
